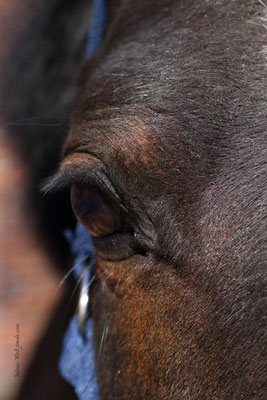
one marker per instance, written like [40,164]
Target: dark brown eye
[94,211]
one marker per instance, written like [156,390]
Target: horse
[165,164]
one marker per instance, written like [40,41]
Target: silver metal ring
[84,298]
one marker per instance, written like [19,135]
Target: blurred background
[28,278]
[42,46]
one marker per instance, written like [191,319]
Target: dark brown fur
[172,113]
[171,122]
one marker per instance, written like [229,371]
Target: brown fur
[172,114]
[171,124]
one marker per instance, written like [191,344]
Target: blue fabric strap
[97,27]
[77,362]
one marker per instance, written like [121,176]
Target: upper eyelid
[87,168]
[72,174]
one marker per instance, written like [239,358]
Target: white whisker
[65,277]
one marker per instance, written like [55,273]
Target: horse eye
[94,211]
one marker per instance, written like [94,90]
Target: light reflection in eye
[94,211]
